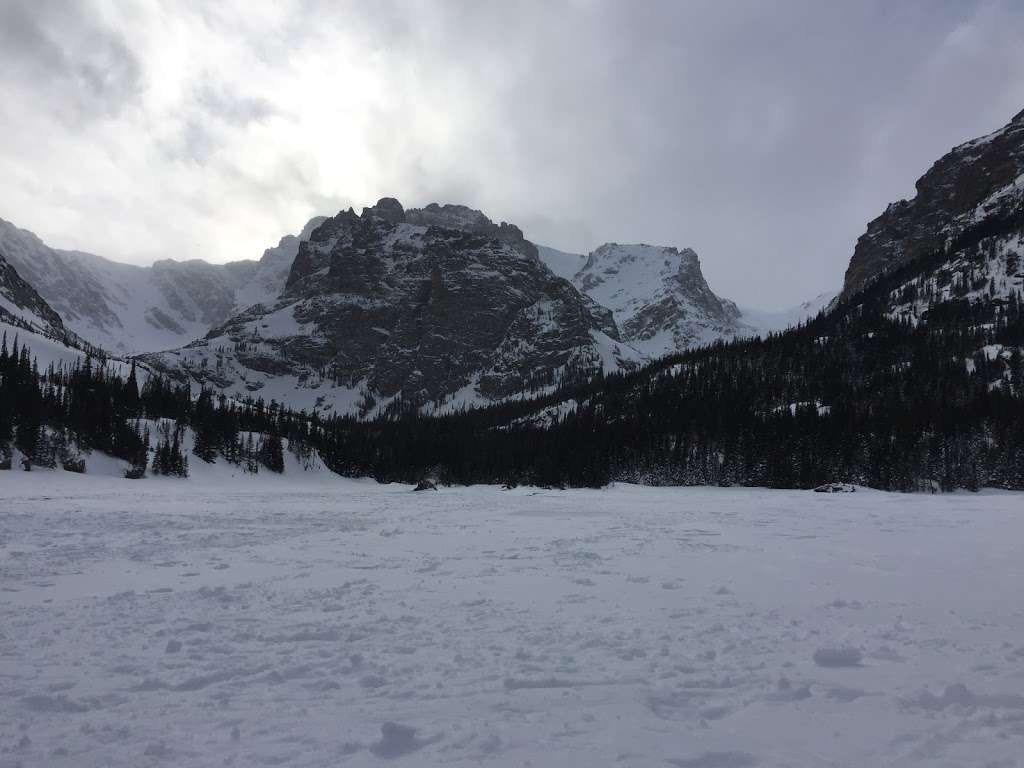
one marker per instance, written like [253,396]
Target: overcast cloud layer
[764,135]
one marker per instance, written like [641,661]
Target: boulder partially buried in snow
[397,740]
[836,488]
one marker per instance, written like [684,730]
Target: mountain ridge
[436,307]
[130,309]
[978,180]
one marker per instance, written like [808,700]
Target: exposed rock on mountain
[437,307]
[271,273]
[658,296]
[661,301]
[130,309]
[975,191]
[914,381]
[20,301]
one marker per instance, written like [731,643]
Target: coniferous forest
[854,395]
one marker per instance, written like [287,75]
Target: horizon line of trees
[928,402]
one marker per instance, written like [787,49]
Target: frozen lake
[276,622]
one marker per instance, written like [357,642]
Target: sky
[763,135]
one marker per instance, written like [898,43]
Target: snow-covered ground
[270,621]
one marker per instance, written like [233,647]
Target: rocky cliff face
[437,307]
[976,190]
[661,301]
[658,296]
[20,301]
[130,309]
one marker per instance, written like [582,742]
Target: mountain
[913,380]
[268,279]
[27,318]
[21,304]
[974,192]
[435,308]
[661,301]
[659,297]
[764,322]
[129,309]
[562,263]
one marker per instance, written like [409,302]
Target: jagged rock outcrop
[20,301]
[128,309]
[974,191]
[661,301]
[659,297]
[436,306]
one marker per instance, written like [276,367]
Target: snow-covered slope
[43,348]
[20,303]
[26,320]
[129,309]
[658,296]
[562,263]
[437,306]
[660,299]
[301,464]
[267,281]
[763,322]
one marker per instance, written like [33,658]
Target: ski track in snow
[169,622]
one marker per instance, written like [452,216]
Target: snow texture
[127,309]
[763,322]
[317,621]
[661,301]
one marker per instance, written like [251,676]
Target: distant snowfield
[322,622]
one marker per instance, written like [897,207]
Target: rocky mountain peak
[388,209]
[658,296]
[465,219]
[434,305]
[978,183]
[388,219]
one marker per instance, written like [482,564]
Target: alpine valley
[433,342]
[436,308]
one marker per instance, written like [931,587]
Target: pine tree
[271,453]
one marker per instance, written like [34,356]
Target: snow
[627,279]
[220,621]
[615,355]
[764,322]
[151,308]
[647,270]
[46,352]
[658,297]
[562,263]
[22,314]
[280,322]
[997,279]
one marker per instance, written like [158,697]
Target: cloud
[80,68]
[764,137]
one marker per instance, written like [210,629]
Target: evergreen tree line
[51,417]
[858,395]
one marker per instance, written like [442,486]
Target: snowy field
[318,621]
